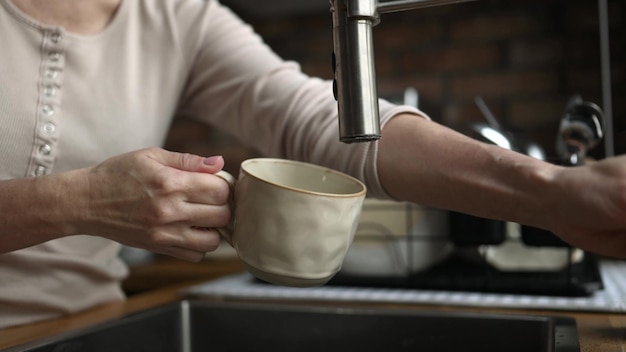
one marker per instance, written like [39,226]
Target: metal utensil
[580,130]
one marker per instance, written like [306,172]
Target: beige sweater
[69,101]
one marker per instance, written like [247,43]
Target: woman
[88,90]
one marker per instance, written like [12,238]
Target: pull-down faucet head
[353,63]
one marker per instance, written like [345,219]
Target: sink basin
[195,325]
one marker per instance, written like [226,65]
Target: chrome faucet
[353,62]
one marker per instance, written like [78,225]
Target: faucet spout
[353,63]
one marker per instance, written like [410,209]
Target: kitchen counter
[166,271]
[160,282]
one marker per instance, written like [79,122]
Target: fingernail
[212,160]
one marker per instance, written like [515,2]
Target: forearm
[426,163]
[36,210]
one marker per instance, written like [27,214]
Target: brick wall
[526,58]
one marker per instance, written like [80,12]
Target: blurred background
[525,58]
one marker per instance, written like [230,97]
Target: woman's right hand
[165,202]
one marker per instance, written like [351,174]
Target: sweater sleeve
[239,85]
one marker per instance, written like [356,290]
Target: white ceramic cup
[293,222]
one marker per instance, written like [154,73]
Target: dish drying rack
[467,267]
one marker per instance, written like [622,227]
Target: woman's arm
[36,210]
[424,162]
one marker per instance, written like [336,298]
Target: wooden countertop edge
[18,335]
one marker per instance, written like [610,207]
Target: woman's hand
[426,163]
[590,206]
[165,202]
[168,203]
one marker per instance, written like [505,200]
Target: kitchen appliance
[458,260]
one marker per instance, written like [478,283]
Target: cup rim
[362,192]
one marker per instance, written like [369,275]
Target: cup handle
[227,231]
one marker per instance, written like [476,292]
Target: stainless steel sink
[191,326]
